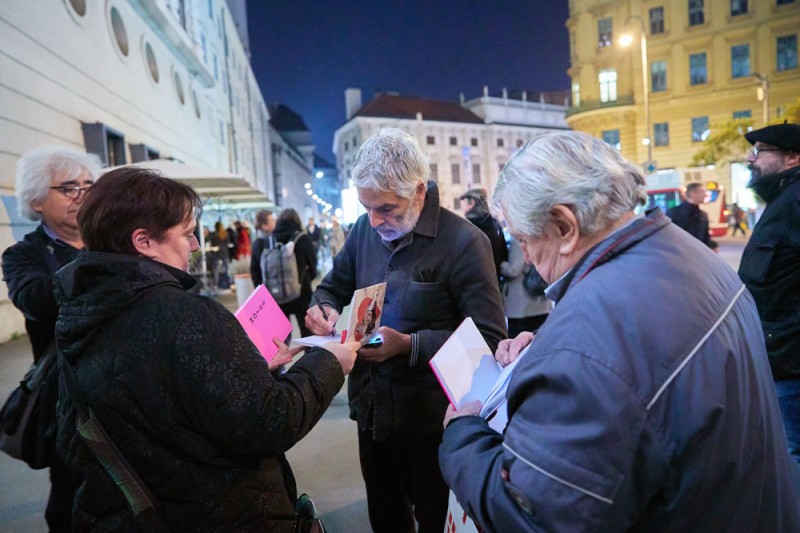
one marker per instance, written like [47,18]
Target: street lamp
[763,93]
[626,40]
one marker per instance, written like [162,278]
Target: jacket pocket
[427,303]
[755,264]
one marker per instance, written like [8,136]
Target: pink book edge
[441,384]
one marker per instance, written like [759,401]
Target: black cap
[474,194]
[785,136]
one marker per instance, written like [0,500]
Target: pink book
[262,319]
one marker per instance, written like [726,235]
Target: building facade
[132,80]
[468,143]
[707,63]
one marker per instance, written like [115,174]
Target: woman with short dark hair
[288,228]
[178,385]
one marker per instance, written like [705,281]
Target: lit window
[608,85]
[656,20]
[604,33]
[697,14]
[576,94]
[612,138]
[661,134]
[787,52]
[740,61]
[476,173]
[700,129]
[455,171]
[658,76]
[738,7]
[698,73]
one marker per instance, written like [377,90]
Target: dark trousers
[403,483]
[58,513]
[789,403]
[529,323]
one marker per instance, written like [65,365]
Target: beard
[402,227]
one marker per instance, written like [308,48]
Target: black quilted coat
[186,397]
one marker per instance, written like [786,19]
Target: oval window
[152,64]
[79,6]
[119,31]
[179,87]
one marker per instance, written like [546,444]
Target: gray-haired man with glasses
[50,187]
[770,264]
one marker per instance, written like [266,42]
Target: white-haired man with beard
[439,270]
[645,401]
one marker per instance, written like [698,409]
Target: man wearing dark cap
[478,213]
[770,266]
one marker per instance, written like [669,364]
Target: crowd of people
[644,392]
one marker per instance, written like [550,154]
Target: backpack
[27,419]
[533,283]
[279,271]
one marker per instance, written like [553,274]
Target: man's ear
[141,242]
[568,231]
[792,160]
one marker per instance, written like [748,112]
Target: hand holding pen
[321,321]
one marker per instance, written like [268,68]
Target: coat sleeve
[30,282]
[573,450]
[255,262]
[476,293]
[229,395]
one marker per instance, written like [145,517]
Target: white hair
[572,169]
[36,168]
[391,161]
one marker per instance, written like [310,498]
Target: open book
[365,318]
[467,370]
[262,319]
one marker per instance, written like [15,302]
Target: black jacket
[28,268]
[186,397]
[692,220]
[770,268]
[480,216]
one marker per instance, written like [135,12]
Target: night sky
[305,53]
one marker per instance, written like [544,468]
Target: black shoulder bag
[27,417]
[140,501]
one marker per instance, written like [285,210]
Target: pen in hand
[324,314]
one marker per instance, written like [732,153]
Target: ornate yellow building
[707,62]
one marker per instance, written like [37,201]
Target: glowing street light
[627,40]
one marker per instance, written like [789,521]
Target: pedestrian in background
[770,265]
[525,312]
[287,228]
[243,244]
[265,225]
[335,237]
[689,217]
[478,213]
[51,184]
[738,220]
[221,240]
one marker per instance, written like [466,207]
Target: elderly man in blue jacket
[645,402]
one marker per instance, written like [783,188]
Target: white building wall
[520,121]
[59,68]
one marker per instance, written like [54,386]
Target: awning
[209,183]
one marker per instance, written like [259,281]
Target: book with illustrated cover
[364,320]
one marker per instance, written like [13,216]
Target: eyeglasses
[73,192]
[755,150]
